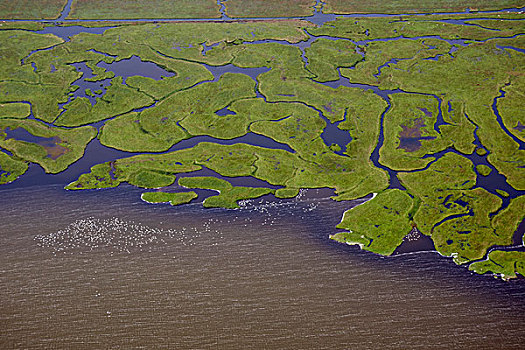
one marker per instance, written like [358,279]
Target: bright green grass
[174,198]
[66,145]
[378,225]
[14,110]
[506,264]
[11,168]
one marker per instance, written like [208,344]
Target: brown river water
[102,269]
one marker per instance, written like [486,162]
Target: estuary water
[102,269]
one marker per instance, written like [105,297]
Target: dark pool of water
[332,135]
[97,88]
[502,125]
[134,66]
[225,111]
[24,135]
[66,32]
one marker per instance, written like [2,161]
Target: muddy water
[101,269]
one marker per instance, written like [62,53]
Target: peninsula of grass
[378,225]
[54,148]
[14,110]
[507,264]
[11,168]
[174,198]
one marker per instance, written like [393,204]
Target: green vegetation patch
[325,56]
[502,193]
[372,69]
[456,216]
[467,237]
[16,45]
[43,98]
[504,263]
[29,9]
[174,198]
[53,148]
[14,110]
[409,132]
[206,183]
[506,222]
[512,105]
[11,168]
[483,169]
[135,9]
[185,113]
[151,179]
[286,192]
[378,225]
[21,25]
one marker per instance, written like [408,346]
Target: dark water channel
[88,89]
[66,32]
